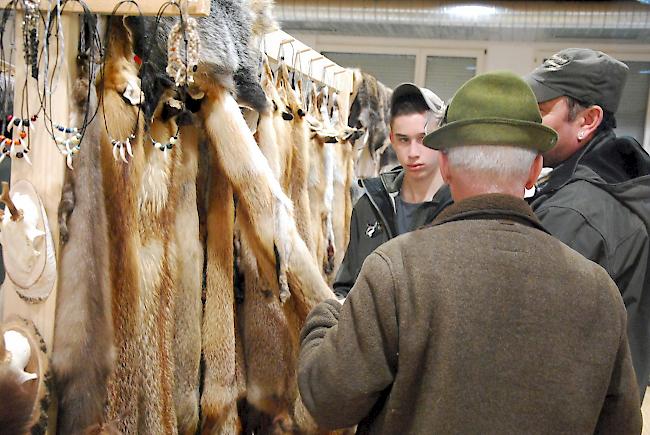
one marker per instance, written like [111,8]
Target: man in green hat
[481,322]
[597,198]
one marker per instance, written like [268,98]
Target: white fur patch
[151,255]
[155,182]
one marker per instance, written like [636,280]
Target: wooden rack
[312,64]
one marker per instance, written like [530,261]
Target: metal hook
[281,50]
[324,75]
[311,62]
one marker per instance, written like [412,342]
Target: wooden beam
[147,7]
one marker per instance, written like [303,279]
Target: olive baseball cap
[587,75]
[496,108]
[435,103]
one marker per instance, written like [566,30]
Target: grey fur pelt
[83,339]
[229,49]
[371,110]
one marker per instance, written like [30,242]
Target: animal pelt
[342,207]
[187,278]
[227,46]
[157,204]
[17,400]
[317,178]
[102,429]
[265,207]
[263,21]
[370,110]
[270,334]
[266,134]
[267,226]
[299,141]
[124,238]
[220,387]
[83,353]
[282,118]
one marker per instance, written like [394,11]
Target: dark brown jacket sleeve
[621,412]
[348,354]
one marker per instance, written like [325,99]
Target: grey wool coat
[481,323]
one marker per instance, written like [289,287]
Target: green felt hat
[496,108]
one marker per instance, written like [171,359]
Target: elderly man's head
[492,138]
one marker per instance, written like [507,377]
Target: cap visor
[541,91]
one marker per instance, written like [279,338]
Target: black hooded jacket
[598,203]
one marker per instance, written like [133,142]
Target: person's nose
[414,148]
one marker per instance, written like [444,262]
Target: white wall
[520,58]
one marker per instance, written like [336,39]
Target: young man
[399,201]
[482,322]
[597,198]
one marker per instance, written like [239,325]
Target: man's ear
[535,170]
[390,137]
[590,120]
[443,163]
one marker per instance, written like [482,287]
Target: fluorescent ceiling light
[471,11]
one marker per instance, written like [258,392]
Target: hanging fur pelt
[187,279]
[299,142]
[220,387]
[229,48]
[121,204]
[157,205]
[267,210]
[83,353]
[369,110]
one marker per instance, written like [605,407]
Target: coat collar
[493,206]
[561,175]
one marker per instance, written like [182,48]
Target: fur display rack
[205,216]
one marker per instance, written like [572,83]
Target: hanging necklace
[68,138]
[121,147]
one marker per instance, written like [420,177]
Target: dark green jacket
[598,203]
[373,223]
[481,324]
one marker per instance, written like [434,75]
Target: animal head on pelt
[370,109]
[228,56]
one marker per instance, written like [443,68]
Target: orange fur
[187,283]
[124,238]
[220,389]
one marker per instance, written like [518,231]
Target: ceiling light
[472,11]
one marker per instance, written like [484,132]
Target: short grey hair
[500,161]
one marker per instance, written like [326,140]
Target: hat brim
[542,92]
[492,131]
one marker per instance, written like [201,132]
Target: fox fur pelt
[266,209]
[124,238]
[299,141]
[220,388]
[83,352]
[187,279]
[157,199]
